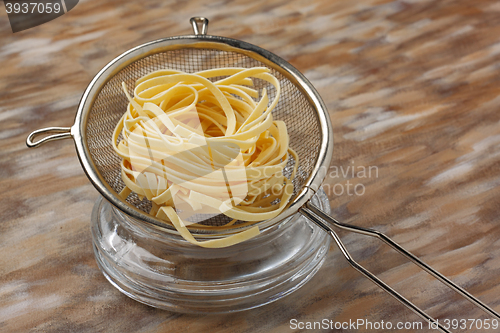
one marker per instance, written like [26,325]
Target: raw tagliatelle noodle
[192,146]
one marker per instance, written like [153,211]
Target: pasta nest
[195,146]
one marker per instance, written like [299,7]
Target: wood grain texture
[412,88]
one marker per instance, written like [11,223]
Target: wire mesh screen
[111,103]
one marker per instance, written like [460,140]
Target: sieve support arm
[326,222]
[374,233]
[52,133]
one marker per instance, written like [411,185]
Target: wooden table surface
[413,91]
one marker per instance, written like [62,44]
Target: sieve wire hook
[326,222]
[54,133]
[204,25]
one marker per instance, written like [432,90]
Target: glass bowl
[163,270]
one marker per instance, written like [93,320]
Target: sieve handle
[326,222]
[52,133]
[204,25]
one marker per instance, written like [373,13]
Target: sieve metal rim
[78,130]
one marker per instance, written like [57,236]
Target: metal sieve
[300,107]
